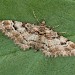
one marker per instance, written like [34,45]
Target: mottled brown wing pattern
[39,37]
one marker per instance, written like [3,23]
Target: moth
[39,37]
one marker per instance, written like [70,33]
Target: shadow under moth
[39,37]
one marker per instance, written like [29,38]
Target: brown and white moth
[39,37]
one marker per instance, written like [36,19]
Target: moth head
[7,24]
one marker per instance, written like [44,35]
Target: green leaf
[13,60]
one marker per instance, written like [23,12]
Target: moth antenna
[35,16]
[62,32]
[56,26]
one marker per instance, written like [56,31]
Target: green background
[15,61]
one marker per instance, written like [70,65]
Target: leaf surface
[13,60]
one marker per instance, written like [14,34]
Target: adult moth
[39,37]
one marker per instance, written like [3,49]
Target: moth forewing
[39,37]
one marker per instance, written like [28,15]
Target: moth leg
[62,32]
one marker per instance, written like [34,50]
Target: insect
[39,37]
